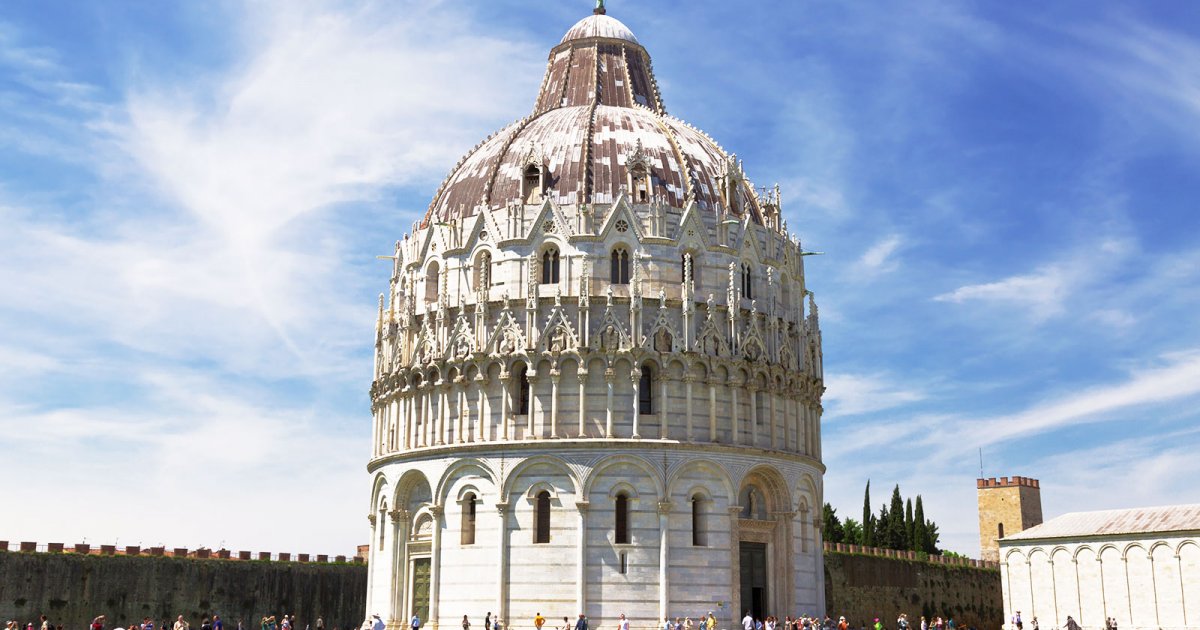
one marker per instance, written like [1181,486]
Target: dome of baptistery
[597,384]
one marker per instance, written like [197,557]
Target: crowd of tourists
[706,621]
[284,622]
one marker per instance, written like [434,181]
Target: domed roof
[598,111]
[599,25]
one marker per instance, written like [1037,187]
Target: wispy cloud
[854,394]
[1043,292]
[879,257]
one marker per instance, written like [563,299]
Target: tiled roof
[1169,518]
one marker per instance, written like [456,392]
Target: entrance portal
[753,569]
[420,589]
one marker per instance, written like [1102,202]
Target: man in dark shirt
[582,623]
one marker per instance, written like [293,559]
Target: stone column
[784,520]
[502,564]
[664,556]
[374,552]
[505,406]
[554,378]
[582,376]
[426,412]
[531,433]
[443,412]
[581,567]
[787,422]
[735,562]
[399,567]
[460,431]
[664,430]
[712,410]
[771,399]
[635,377]
[687,381]
[817,429]
[733,409]
[435,564]
[753,416]
[483,418]
[608,412]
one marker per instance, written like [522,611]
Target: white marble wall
[529,578]
[1144,582]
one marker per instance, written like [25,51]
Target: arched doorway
[762,580]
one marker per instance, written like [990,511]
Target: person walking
[622,622]
[414,623]
[748,621]
[466,623]
[539,621]
[581,623]
[180,624]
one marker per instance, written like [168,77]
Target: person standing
[414,623]
[487,621]
[581,623]
[466,623]
[748,621]
[180,624]
[622,623]
[217,624]
[539,621]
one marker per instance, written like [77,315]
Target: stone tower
[1007,505]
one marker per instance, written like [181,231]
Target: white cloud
[1042,292]
[878,258]
[854,394]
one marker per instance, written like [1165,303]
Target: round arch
[548,460]
[616,460]
[453,470]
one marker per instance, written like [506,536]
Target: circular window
[622,226]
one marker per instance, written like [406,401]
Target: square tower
[1007,505]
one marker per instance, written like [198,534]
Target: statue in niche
[558,340]
[711,347]
[752,352]
[752,503]
[610,340]
[426,354]
[462,348]
[508,343]
[662,340]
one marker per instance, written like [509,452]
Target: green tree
[868,535]
[896,537]
[832,526]
[920,527]
[908,526]
[879,528]
[852,532]
[931,537]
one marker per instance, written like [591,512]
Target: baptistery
[597,383]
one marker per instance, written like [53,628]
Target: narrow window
[550,266]
[698,521]
[747,282]
[622,524]
[619,268]
[646,391]
[432,280]
[532,184]
[523,393]
[382,529]
[624,563]
[541,518]
[468,519]
[1000,530]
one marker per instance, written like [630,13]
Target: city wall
[862,586]
[71,588]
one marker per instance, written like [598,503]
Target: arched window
[999,530]
[619,269]
[646,391]
[621,535]
[541,518]
[483,271]
[468,519]
[432,282]
[531,185]
[550,266]
[747,282]
[523,392]
[379,523]
[698,520]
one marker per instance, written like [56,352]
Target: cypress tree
[908,526]
[896,538]
[833,526]
[920,527]
[868,533]
[882,530]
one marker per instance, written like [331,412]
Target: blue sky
[192,196]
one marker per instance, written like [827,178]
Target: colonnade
[430,414]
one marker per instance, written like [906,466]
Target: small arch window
[432,282]
[550,266]
[468,518]
[619,266]
[747,282]
[999,530]
[698,539]
[531,184]
[382,529]
[541,518]
[646,391]
[523,392]
[621,526]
